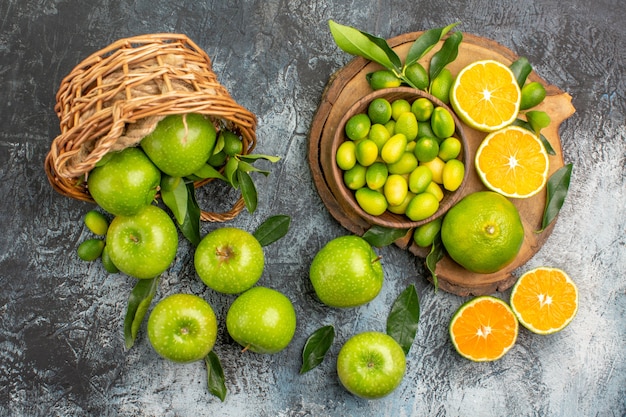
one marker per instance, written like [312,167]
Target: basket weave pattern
[116,96]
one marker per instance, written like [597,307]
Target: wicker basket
[116,96]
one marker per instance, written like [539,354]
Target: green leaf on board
[176,200]
[191,225]
[404,317]
[216,382]
[556,191]
[546,144]
[521,69]
[138,302]
[356,42]
[248,190]
[538,120]
[447,54]
[380,236]
[435,255]
[272,229]
[425,42]
[316,347]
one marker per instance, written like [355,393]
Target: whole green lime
[483,232]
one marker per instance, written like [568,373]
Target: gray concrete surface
[61,335]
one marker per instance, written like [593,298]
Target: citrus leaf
[435,255]
[191,225]
[272,229]
[362,44]
[316,347]
[380,236]
[215,376]
[546,144]
[207,171]
[138,302]
[447,54]
[176,200]
[556,189]
[253,157]
[521,69]
[231,172]
[404,317]
[425,42]
[246,167]
[248,190]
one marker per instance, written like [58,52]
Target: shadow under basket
[116,96]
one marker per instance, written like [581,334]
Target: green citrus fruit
[354,178]
[90,249]
[441,85]
[232,143]
[426,149]
[453,174]
[398,107]
[376,175]
[422,108]
[417,75]
[372,202]
[405,165]
[436,167]
[449,148]
[425,235]
[442,123]
[379,134]
[96,222]
[383,79]
[358,126]
[394,148]
[395,189]
[422,206]
[366,152]
[406,124]
[483,232]
[532,94]
[419,179]
[346,155]
[379,110]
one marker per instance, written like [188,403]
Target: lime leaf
[176,200]
[231,172]
[316,347]
[404,317]
[248,190]
[556,190]
[247,167]
[380,236]
[191,225]
[138,302]
[356,42]
[425,42]
[435,255]
[521,69]
[253,157]
[447,54]
[546,144]
[272,229]
[215,376]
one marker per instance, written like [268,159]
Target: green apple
[229,260]
[371,364]
[181,144]
[143,245]
[262,320]
[346,272]
[182,328]
[126,183]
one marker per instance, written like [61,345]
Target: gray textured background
[61,339]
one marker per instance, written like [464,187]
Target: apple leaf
[404,317]
[435,255]
[248,190]
[556,189]
[316,347]
[191,225]
[215,376]
[272,229]
[176,200]
[380,236]
[138,302]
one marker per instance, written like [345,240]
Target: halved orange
[545,300]
[486,96]
[512,162]
[483,329]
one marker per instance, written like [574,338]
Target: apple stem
[378,258]
[245,348]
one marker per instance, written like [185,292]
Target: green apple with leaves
[182,328]
[346,272]
[125,183]
[181,144]
[142,245]
[371,364]
[262,320]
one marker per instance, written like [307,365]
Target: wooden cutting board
[348,84]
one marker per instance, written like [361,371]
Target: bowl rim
[389,219]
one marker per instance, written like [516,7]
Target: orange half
[483,329]
[512,162]
[486,95]
[545,300]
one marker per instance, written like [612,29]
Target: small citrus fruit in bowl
[408,177]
